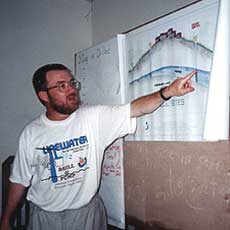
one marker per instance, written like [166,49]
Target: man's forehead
[58,75]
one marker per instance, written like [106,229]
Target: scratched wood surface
[179,185]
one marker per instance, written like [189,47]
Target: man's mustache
[72,95]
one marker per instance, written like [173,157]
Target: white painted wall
[34,33]
[110,17]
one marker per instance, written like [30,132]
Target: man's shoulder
[96,111]
[88,109]
[98,107]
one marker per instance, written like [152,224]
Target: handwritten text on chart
[112,161]
[83,58]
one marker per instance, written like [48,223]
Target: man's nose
[71,87]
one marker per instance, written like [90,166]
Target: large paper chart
[160,52]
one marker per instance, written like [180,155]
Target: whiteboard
[100,71]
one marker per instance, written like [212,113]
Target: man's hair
[39,77]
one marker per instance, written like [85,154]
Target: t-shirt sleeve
[115,122]
[21,171]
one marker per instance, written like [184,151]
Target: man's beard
[65,108]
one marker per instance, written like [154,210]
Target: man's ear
[43,96]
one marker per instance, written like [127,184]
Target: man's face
[62,102]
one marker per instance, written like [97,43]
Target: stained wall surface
[178,185]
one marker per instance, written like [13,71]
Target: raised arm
[147,104]
[16,192]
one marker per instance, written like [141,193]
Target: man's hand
[5,225]
[16,192]
[180,86]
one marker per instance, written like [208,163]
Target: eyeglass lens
[63,86]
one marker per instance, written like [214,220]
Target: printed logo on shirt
[64,162]
[82,162]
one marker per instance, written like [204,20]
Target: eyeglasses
[63,86]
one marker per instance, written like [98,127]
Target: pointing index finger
[190,75]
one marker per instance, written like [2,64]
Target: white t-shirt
[61,160]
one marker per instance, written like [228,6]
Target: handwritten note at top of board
[99,70]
